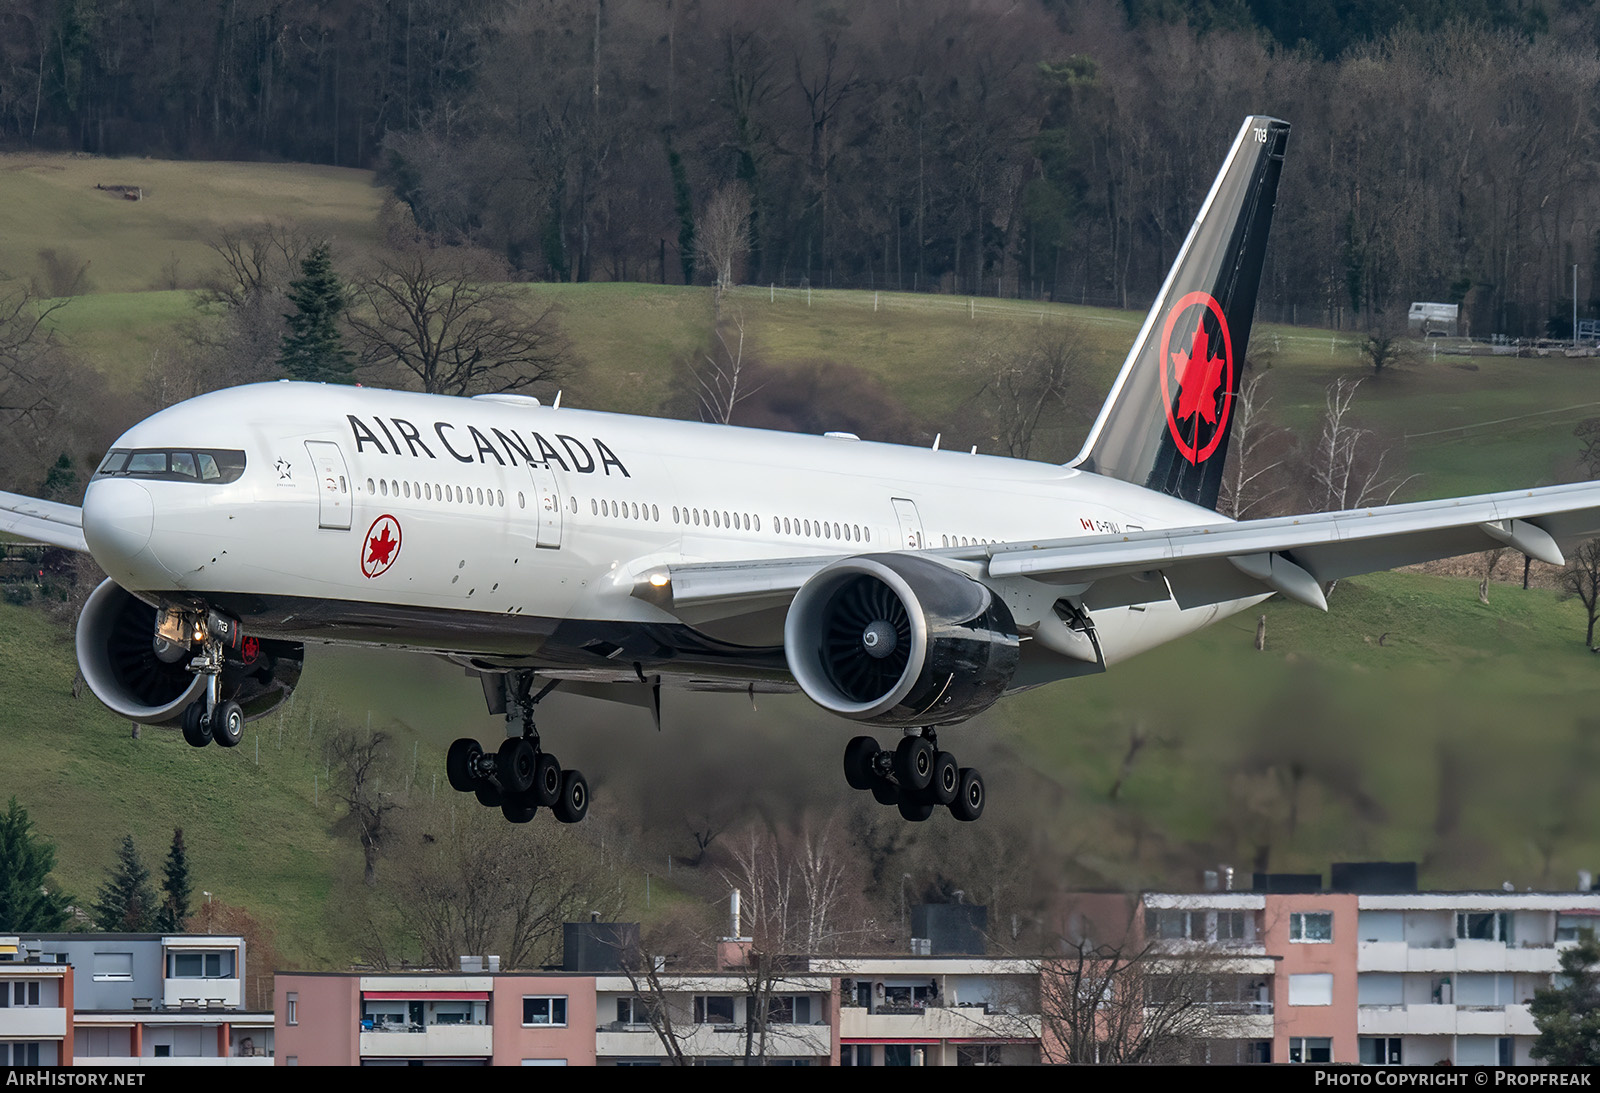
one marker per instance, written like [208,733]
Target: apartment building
[141,1000]
[1370,970]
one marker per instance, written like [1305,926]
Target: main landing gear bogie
[519,778]
[916,777]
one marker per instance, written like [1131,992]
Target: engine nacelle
[897,639]
[138,676]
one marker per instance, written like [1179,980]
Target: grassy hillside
[51,203]
[1410,722]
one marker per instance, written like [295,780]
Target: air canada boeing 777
[547,547]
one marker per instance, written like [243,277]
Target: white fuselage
[499,528]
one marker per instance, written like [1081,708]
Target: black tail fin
[1166,424]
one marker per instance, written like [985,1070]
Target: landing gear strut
[209,717]
[520,778]
[916,777]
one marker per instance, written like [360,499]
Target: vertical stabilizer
[1167,421]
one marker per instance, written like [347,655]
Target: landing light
[659,580]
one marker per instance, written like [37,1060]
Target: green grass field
[1410,722]
[136,246]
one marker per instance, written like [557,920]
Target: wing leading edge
[1207,564]
[44,521]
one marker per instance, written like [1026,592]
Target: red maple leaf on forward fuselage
[380,547]
[1199,374]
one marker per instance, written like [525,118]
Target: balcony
[127,1062]
[937,1023]
[33,1023]
[428,1042]
[711,1041]
[1440,1020]
[1451,955]
[198,994]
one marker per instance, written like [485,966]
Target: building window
[633,1011]
[1231,926]
[1175,925]
[196,965]
[1314,989]
[789,1009]
[1380,1051]
[113,967]
[1310,1049]
[21,992]
[19,1054]
[1484,926]
[713,1009]
[544,1009]
[291,1008]
[1311,926]
[978,1055]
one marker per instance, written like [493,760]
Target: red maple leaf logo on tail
[1199,375]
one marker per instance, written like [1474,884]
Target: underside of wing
[1297,555]
[42,521]
[1192,566]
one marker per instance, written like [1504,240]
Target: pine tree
[311,348]
[26,904]
[1568,1014]
[175,887]
[126,902]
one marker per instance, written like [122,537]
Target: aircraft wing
[1205,564]
[44,521]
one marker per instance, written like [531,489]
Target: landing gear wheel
[885,793]
[520,809]
[515,764]
[945,785]
[227,724]
[913,763]
[858,757]
[574,803]
[196,729]
[459,762]
[546,781]
[915,811]
[488,796]
[969,805]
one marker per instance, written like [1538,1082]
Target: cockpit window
[214,465]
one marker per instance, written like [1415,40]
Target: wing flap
[1327,546]
[44,521]
[1199,565]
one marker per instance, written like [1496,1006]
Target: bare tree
[358,762]
[1024,378]
[722,235]
[467,882]
[446,316]
[1347,469]
[257,261]
[722,373]
[1581,580]
[1130,1003]
[1258,450]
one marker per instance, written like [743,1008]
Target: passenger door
[333,484]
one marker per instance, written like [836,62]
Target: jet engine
[146,679]
[896,639]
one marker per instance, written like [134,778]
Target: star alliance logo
[282,466]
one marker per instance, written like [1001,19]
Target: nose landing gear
[520,778]
[916,777]
[209,717]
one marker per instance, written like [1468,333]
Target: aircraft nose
[118,517]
